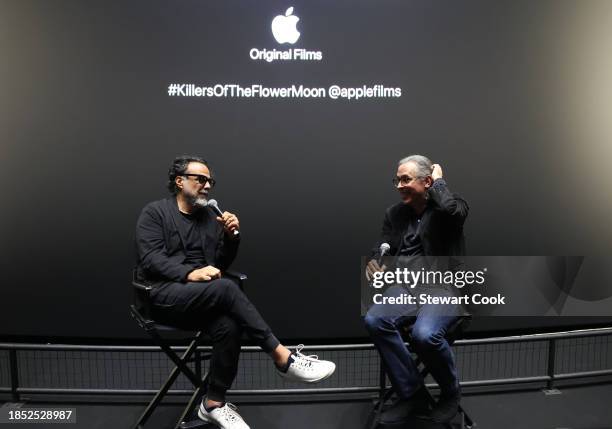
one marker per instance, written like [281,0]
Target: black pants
[223,311]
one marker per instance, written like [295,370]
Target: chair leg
[194,402]
[382,396]
[466,419]
[181,363]
[166,386]
[379,407]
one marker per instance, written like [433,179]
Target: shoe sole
[206,418]
[284,375]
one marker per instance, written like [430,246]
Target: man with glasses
[183,248]
[424,230]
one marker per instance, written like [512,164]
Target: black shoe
[401,410]
[445,409]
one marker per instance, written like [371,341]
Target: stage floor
[584,407]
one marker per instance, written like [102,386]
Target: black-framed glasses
[404,180]
[201,179]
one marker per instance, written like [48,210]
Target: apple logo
[284,27]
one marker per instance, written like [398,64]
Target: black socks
[285,367]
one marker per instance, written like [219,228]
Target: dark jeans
[223,311]
[431,322]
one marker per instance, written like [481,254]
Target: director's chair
[141,312]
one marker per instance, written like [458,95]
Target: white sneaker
[308,369]
[226,417]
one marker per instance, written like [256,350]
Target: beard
[198,201]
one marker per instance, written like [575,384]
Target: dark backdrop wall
[512,98]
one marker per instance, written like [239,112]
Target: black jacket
[441,228]
[159,245]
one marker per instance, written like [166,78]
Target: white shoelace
[302,359]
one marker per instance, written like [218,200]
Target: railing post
[551,364]
[382,380]
[14,374]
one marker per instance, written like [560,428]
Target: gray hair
[423,164]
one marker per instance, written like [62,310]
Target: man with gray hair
[426,225]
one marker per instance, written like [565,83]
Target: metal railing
[550,357]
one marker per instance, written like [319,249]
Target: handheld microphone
[215,207]
[384,248]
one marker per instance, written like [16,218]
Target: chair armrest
[141,286]
[142,291]
[236,275]
[240,278]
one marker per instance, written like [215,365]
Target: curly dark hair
[178,168]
